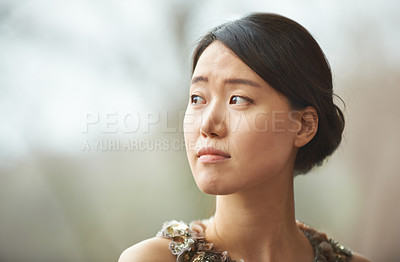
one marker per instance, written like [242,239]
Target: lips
[210,154]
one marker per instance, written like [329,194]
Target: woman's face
[233,110]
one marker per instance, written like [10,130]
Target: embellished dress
[189,244]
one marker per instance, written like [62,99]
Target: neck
[259,224]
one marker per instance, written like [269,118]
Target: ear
[308,126]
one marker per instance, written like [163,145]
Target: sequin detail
[189,244]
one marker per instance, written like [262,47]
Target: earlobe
[309,126]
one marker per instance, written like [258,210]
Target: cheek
[190,129]
[189,122]
[268,146]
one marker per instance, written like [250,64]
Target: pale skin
[233,109]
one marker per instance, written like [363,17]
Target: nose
[214,121]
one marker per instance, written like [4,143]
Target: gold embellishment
[179,233]
[342,252]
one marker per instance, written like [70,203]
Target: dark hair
[286,56]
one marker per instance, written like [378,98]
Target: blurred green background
[76,73]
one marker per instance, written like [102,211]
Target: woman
[260,112]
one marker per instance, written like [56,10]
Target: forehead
[218,60]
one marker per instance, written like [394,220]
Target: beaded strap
[325,249]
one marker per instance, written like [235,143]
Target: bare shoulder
[359,258]
[154,249]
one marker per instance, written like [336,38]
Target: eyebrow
[227,81]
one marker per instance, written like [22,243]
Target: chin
[215,188]
[215,192]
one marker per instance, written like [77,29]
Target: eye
[240,100]
[196,100]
